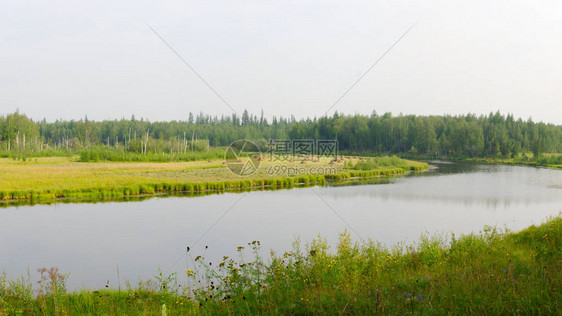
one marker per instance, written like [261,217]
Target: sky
[69,59]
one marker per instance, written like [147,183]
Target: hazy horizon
[66,60]
[268,117]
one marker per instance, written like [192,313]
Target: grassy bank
[46,179]
[486,273]
[545,160]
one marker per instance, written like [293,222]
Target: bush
[104,153]
[378,162]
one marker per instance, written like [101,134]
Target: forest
[445,136]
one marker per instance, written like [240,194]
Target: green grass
[375,163]
[550,160]
[491,272]
[103,153]
[42,180]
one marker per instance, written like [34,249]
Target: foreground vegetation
[45,179]
[486,273]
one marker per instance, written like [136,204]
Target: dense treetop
[493,135]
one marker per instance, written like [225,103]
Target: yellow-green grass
[43,179]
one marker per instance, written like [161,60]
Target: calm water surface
[89,241]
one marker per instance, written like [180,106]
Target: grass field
[491,272]
[48,178]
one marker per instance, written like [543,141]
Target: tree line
[439,136]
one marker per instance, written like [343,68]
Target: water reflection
[492,186]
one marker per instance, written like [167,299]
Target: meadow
[44,179]
[490,272]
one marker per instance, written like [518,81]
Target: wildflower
[189,272]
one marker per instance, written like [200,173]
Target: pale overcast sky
[67,59]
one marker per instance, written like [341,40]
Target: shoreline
[511,162]
[154,188]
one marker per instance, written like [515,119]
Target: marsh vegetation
[44,179]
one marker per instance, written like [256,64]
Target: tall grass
[377,162]
[491,272]
[25,155]
[104,153]
[551,160]
[384,162]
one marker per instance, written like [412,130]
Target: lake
[90,240]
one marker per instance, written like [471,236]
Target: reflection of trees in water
[507,186]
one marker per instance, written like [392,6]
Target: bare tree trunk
[192,139]
[146,143]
